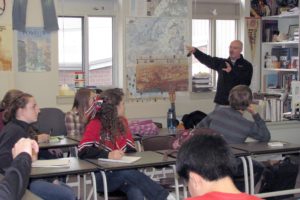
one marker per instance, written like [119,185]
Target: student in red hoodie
[107,136]
[206,162]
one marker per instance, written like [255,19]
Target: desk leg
[84,186]
[251,174]
[104,185]
[78,187]
[245,169]
[93,191]
[184,190]
[176,182]
[94,185]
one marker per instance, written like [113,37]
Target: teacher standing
[232,71]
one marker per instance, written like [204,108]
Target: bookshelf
[279,61]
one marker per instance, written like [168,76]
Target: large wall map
[154,38]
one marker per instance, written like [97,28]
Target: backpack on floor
[280,176]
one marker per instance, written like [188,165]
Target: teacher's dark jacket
[241,74]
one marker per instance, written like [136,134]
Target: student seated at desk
[207,164]
[20,113]
[229,122]
[39,137]
[75,119]
[10,96]
[15,182]
[107,136]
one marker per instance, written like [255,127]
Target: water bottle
[170,121]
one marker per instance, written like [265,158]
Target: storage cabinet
[279,53]
[279,63]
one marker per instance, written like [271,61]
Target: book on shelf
[124,159]
[272,81]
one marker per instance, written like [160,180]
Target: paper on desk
[124,159]
[276,144]
[52,163]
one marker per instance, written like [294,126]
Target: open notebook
[124,159]
[52,163]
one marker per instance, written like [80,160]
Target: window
[223,40]
[213,44]
[91,52]
[200,40]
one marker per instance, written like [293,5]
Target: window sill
[64,99]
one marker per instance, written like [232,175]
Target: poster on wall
[252,27]
[34,50]
[6,38]
[162,75]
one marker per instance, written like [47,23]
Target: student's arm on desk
[92,152]
[16,178]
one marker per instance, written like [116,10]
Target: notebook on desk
[124,159]
[52,163]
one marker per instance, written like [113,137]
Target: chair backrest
[51,119]
[158,142]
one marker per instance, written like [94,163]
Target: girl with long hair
[75,119]
[107,136]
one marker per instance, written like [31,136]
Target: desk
[262,148]
[76,138]
[259,148]
[65,142]
[77,166]
[148,159]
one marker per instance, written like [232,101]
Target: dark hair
[98,91]
[13,102]
[240,97]
[207,155]
[81,102]
[112,124]
[8,97]
[192,119]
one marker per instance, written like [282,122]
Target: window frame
[212,42]
[85,48]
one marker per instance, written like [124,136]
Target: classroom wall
[44,85]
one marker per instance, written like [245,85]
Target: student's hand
[251,109]
[228,67]
[25,145]
[57,152]
[42,138]
[190,49]
[116,154]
